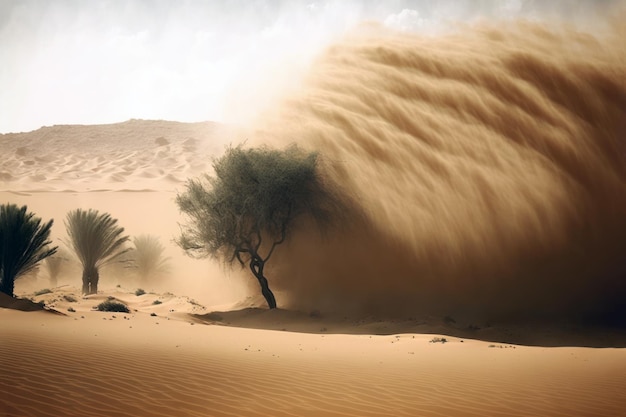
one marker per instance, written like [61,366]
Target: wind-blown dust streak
[488,168]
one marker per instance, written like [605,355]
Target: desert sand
[483,273]
[190,356]
[90,363]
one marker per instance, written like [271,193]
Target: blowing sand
[488,170]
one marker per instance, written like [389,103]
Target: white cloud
[406,20]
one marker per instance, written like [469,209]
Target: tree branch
[237,255]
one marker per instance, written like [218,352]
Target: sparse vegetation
[112,306]
[53,265]
[139,292]
[439,340]
[97,240]
[147,257]
[157,302]
[23,244]
[194,302]
[71,310]
[43,291]
[249,206]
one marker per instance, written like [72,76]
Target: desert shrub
[139,292]
[113,306]
[44,291]
[157,302]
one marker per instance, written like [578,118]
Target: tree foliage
[97,240]
[23,244]
[248,206]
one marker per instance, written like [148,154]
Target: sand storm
[483,171]
[486,168]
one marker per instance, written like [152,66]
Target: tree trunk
[256,265]
[90,280]
[94,282]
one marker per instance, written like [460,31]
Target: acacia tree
[97,240]
[23,244]
[248,207]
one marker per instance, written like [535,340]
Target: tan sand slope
[134,155]
[131,170]
[91,363]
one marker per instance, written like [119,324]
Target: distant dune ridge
[132,155]
[488,167]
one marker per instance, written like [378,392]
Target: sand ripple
[137,153]
[92,367]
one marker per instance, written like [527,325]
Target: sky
[107,61]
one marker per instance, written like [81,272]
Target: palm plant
[97,240]
[54,264]
[23,244]
[148,257]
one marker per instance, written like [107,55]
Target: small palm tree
[97,240]
[148,257]
[53,265]
[23,244]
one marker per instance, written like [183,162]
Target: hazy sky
[106,61]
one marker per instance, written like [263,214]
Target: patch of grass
[439,340]
[44,291]
[139,292]
[157,302]
[69,298]
[113,306]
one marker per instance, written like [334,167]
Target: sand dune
[137,154]
[91,363]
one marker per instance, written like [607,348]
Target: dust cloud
[486,168]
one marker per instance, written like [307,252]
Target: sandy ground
[179,352]
[160,360]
